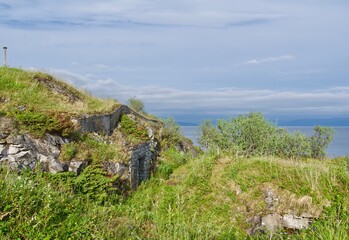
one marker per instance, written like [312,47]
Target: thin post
[5,55]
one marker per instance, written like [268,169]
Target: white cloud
[325,102]
[267,60]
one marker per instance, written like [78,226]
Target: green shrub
[132,130]
[95,184]
[252,135]
[170,134]
[68,151]
[136,104]
[322,137]
[36,122]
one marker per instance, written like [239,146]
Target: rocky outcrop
[25,152]
[286,212]
[22,151]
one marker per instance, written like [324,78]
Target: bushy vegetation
[136,104]
[133,131]
[169,133]
[89,148]
[252,135]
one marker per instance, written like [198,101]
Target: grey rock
[294,222]
[272,222]
[77,166]
[23,151]
[115,168]
[270,198]
[2,148]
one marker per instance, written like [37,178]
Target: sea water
[338,147]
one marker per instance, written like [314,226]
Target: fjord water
[338,147]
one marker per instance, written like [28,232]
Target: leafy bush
[320,140]
[252,135]
[136,104]
[170,134]
[94,183]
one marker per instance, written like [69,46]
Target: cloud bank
[221,101]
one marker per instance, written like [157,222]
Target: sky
[191,59]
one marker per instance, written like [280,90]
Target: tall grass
[208,197]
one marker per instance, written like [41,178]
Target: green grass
[41,104]
[21,88]
[208,197]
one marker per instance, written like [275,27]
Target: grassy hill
[213,195]
[40,103]
[41,92]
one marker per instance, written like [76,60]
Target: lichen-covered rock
[272,222]
[115,168]
[77,166]
[25,152]
[291,221]
[285,212]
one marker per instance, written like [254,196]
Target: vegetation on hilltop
[40,103]
[43,93]
[252,135]
[211,195]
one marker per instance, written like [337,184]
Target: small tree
[170,133]
[320,141]
[136,104]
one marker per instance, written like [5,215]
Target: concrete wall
[141,164]
[106,123]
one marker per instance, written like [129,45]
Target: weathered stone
[77,166]
[23,160]
[6,126]
[294,222]
[2,137]
[115,168]
[14,149]
[272,222]
[270,198]
[23,151]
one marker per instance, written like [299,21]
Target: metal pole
[5,55]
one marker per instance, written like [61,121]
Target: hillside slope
[142,179]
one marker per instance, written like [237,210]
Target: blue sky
[191,59]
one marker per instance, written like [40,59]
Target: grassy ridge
[40,103]
[23,88]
